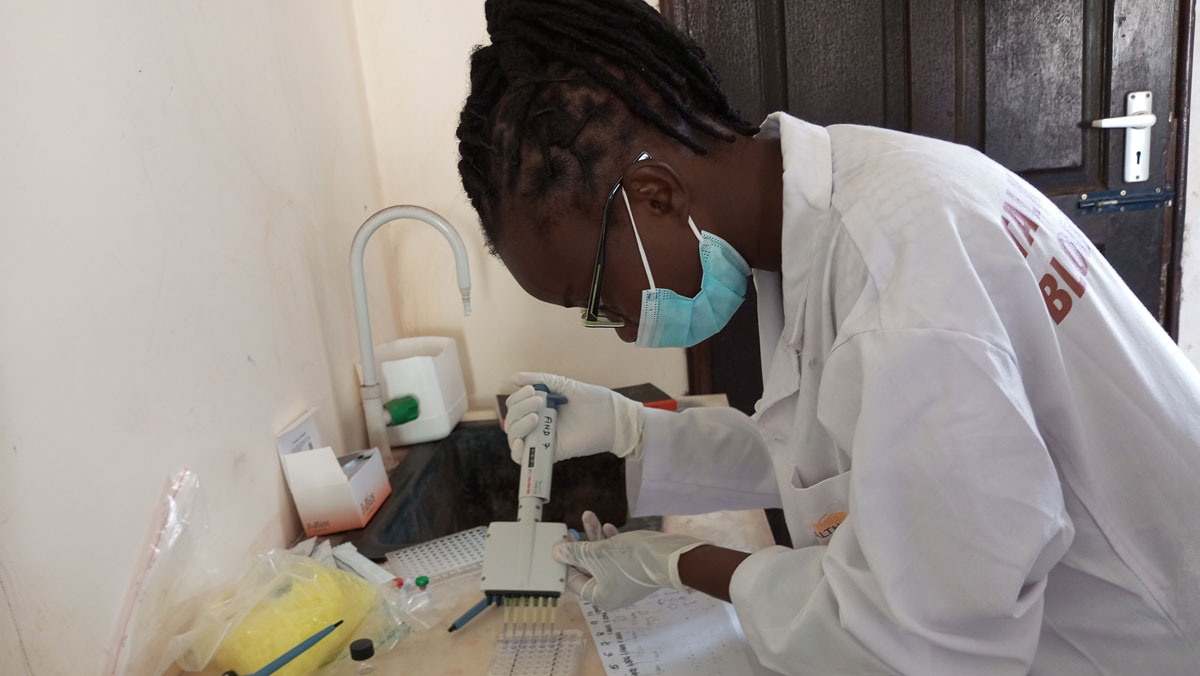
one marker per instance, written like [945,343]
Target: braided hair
[559,88]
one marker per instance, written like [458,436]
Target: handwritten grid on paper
[670,633]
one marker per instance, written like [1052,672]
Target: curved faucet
[373,411]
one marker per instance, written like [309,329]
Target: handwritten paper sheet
[670,633]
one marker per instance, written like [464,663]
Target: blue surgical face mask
[671,320]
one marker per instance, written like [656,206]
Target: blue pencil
[295,652]
[470,614]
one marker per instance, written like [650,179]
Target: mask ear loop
[638,237]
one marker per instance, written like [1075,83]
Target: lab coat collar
[807,195]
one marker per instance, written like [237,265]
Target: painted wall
[415,65]
[179,185]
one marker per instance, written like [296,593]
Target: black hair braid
[661,70]
[544,110]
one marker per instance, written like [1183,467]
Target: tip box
[332,494]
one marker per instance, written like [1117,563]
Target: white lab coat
[987,451]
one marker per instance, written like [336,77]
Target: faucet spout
[373,411]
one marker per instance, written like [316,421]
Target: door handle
[1136,122]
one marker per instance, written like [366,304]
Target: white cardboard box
[332,494]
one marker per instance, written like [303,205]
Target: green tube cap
[402,409]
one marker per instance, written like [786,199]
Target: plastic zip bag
[281,601]
[171,577]
[179,608]
[410,607]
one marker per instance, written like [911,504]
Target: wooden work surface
[468,652]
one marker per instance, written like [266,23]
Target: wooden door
[1020,80]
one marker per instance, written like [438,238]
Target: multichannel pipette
[518,565]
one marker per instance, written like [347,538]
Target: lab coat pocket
[815,512]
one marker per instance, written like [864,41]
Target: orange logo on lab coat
[828,523]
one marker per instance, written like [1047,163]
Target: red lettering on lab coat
[1071,281]
[1023,223]
[1014,237]
[1021,227]
[1058,301]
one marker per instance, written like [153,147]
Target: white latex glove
[624,568]
[593,529]
[594,420]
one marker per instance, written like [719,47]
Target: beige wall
[415,63]
[179,185]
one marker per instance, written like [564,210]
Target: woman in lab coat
[987,451]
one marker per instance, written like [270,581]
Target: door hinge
[1129,199]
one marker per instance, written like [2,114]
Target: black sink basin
[468,480]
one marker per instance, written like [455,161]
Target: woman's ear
[653,185]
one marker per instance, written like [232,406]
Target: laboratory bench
[469,651]
[473,466]
[468,480]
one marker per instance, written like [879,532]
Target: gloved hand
[593,529]
[594,420]
[624,568]
[593,532]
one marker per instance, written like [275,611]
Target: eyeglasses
[593,317]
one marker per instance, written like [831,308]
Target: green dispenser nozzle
[402,409]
